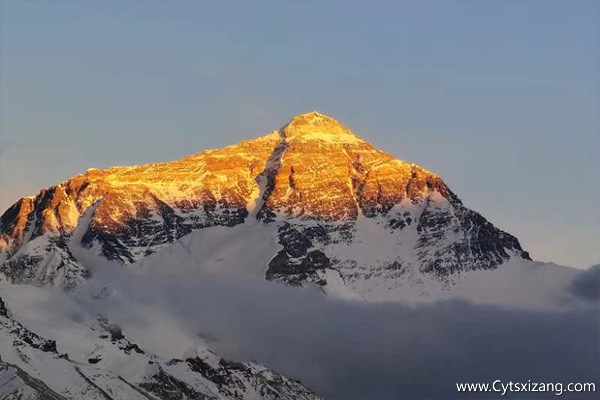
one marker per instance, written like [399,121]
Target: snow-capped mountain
[308,205]
[325,206]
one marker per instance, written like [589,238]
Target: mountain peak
[325,190]
[314,118]
[317,126]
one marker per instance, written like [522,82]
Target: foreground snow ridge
[101,362]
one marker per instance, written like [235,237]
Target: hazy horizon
[500,99]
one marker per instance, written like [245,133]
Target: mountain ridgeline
[340,209]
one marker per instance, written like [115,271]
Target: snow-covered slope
[246,251]
[16,384]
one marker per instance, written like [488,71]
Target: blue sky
[501,99]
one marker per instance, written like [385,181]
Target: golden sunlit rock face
[313,167]
[214,187]
[327,173]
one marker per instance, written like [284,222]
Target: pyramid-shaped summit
[317,126]
[314,119]
[338,207]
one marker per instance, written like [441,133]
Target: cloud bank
[347,350]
